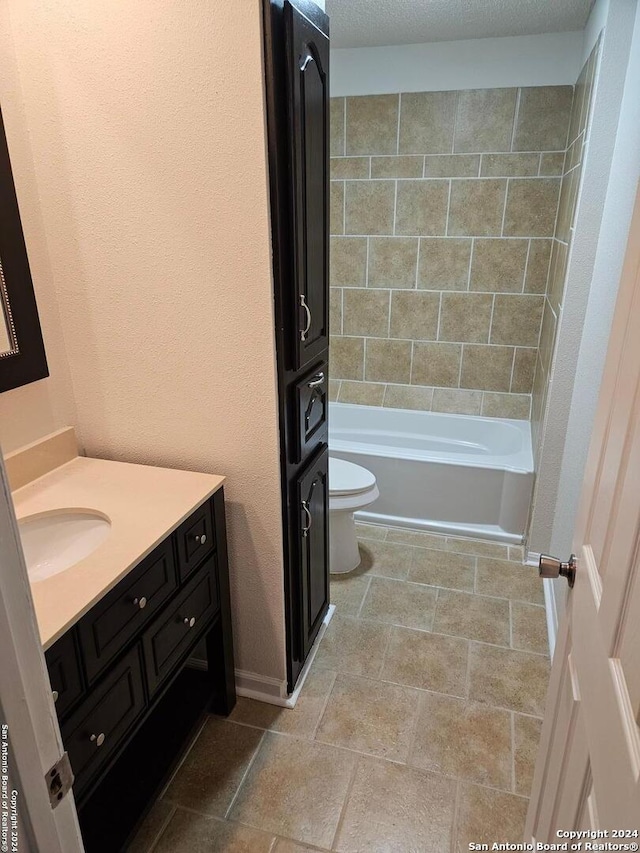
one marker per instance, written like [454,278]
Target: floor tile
[396,809]
[472,616]
[348,592]
[516,553]
[508,679]
[151,828]
[442,568]
[417,537]
[370,716]
[428,661]
[400,603]
[463,739]
[353,645]
[301,720]
[371,531]
[295,788]
[486,816]
[477,547]
[208,786]
[386,559]
[527,737]
[283,845]
[529,628]
[509,580]
[190,833]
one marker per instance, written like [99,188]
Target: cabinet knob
[98,739]
[189,622]
[140,602]
[54,693]
[201,539]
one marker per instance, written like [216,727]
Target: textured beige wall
[146,125]
[443,214]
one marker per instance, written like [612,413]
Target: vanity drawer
[95,730]
[195,539]
[179,627]
[121,613]
[65,672]
[311,405]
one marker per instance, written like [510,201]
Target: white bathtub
[457,474]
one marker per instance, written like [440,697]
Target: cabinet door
[313,538]
[307,52]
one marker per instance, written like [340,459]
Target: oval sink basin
[56,541]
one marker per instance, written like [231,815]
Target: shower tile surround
[443,217]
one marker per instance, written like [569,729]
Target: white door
[30,737]
[588,765]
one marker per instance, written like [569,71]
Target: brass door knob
[552,567]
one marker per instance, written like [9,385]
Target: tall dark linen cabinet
[297,90]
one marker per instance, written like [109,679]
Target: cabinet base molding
[273,691]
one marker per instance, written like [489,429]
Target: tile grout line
[504,209]
[245,774]
[158,836]
[398,125]
[324,706]
[513,752]
[526,266]
[456,812]
[343,809]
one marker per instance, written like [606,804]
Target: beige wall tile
[363,393]
[346,358]
[336,120]
[516,319]
[543,118]
[538,266]
[476,207]
[456,401]
[408,397]
[509,165]
[486,816]
[388,361]
[444,263]
[366,312]
[348,261]
[574,153]
[414,315]
[567,205]
[485,120]
[336,208]
[452,166]
[393,261]
[335,310]
[531,207]
[465,317]
[486,368]
[421,207]
[547,337]
[369,207]
[349,167]
[436,364]
[557,274]
[524,364]
[498,265]
[372,124]
[396,167]
[495,405]
[426,122]
[552,163]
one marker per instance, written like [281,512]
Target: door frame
[27,702]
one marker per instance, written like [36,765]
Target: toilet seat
[347,479]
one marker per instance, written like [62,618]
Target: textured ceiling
[366,23]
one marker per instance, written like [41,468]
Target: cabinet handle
[318,379]
[99,740]
[140,602]
[189,622]
[305,530]
[305,331]
[54,693]
[201,539]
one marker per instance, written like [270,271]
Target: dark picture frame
[26,359]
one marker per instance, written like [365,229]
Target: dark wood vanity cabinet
[121,678]
[297,86]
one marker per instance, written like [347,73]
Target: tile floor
[415,732]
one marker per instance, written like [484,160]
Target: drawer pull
[201,539]
[140,602]
[304,332]
[305,530]
[99,740]
[189,622]
[318,379]
[54,693]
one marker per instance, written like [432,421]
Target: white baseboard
[550,603]
[272,690]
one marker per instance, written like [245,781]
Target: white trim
[551,608]
[273,691]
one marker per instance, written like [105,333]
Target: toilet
[351,488]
